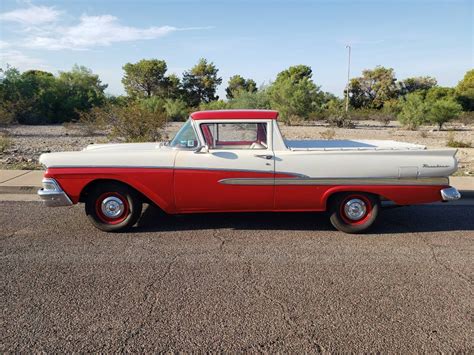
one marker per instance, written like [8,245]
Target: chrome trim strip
[335,181]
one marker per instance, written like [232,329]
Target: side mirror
[203,149]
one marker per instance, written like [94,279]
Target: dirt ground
[27,143]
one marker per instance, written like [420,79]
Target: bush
[413,111]
[153,104]
[39,97]
[340,119]
[214,105]
[466,117]
[328,134]
[6,117]
[176,110]
[251,100]
[133,123]
[94,121]
[443,111]
[453,143]
[5,143]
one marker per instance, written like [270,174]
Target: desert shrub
[340,119]
[384,119]
[423,134]
[453,143]
[5,142]
[466,117]
[251,100]
[176,110]
[133,123]
[328,134]
[152,104]
[94,121]
[214,105]
[443,111]
[6,117]
[413,111]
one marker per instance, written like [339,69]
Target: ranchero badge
[435,166]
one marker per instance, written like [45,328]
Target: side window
[235,135]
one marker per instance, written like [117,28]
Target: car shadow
[412,219]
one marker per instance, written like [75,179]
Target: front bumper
[52,194]
[450,194]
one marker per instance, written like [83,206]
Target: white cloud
[4,44]
[19,60]
[94,31]
[45,28]
[33,15]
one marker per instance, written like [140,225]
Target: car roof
[234,114]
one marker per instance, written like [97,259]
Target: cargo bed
[351,145]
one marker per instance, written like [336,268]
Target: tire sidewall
[341,224]
[134,207]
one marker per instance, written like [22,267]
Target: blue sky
[256,39]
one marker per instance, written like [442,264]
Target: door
[235,174]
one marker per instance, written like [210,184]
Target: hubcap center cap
[355,209]
[112,207]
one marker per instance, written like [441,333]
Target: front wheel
[113,207]
[354,212]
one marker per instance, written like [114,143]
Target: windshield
[186,137]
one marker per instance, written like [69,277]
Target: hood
[125,146]
[113,155]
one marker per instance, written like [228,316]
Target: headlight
[50,185]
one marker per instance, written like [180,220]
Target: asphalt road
[236,282]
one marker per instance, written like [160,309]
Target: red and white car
[237,160]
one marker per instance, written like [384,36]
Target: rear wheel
[113,207]
[354,212]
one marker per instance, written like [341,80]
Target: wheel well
[91,185]
[338,193]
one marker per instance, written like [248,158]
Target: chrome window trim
[198,138]
[269,132]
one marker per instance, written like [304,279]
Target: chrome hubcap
[355,209]
[112,207]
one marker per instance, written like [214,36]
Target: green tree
[38,97]
[417,83]
[237,84]
[176,110]
[413,111]
[251,100]
[439,93]
[373,88]
[200,83]
[173,87]
[82,90]
[443,111]
[294,93]
[465,91]
[145,78]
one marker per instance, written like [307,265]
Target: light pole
[348,46]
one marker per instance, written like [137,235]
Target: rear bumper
[450,194]
[52,194]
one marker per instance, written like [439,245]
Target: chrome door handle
[264,156]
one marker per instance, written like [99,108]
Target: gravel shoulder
[29,142]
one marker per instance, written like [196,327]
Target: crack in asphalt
[215,235]
[434,257]
[445,266]
[148,294]
[286,315]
